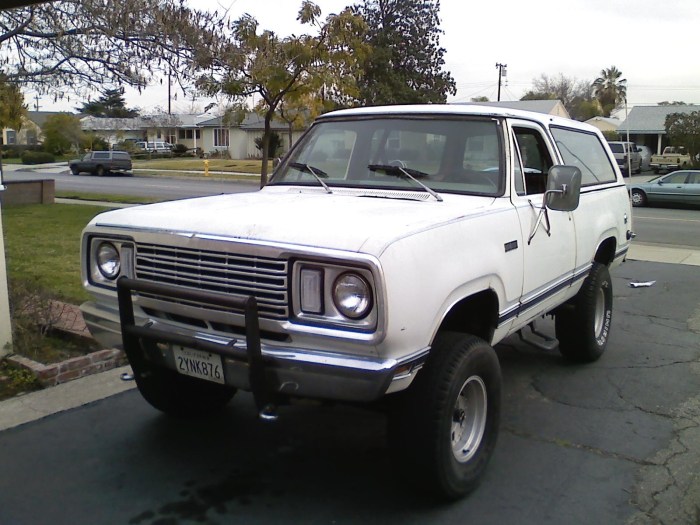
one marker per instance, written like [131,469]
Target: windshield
[451,155]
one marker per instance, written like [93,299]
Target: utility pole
[501,75]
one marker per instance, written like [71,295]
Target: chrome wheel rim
[636,198]
[468,419]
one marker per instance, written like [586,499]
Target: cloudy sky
[653,43]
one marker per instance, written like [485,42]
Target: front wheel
[583,325]
[445,427]
[638,198]
[74,170]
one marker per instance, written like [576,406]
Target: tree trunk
[266,148]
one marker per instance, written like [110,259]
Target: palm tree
[610,89]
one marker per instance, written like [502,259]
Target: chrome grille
[213,271]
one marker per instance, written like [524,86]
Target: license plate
[197,363]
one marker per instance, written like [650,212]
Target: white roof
[461,109]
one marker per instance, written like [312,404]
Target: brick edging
[74,368]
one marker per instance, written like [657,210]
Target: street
[617,441]
[668,226]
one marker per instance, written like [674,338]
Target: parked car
[101,163]
[672,158]
[155,147]
[623,150]
[645,153]
[393,247]
[679,187]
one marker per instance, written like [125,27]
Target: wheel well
[606,252]
[476,315]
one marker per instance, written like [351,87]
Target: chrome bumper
[278,371]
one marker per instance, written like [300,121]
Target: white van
[155,147]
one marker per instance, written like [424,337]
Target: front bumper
[268,369]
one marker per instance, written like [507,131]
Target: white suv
[155,146]
[393,247]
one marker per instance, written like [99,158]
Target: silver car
[678,187]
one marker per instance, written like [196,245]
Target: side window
[677,178]
[535,158]
[585,151]
[101,155]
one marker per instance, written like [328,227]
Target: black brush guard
[132,334]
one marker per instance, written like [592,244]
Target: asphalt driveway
[617,441]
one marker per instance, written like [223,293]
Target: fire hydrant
[206,167]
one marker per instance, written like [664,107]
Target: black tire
[181,396]
[100,171]
[639,198]
[655,170]
[583,325]
[445,427]
[74,170]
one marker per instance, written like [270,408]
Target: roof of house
[251,122]
[39,117]
[184,120]
[613,122]
[548,107]
[648,120]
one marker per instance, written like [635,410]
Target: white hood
[288,216]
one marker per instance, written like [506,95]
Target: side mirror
[276,162]
[563,188]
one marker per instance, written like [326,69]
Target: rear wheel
[583,325]
[444,428]
[639,198]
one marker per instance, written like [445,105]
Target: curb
[74,368]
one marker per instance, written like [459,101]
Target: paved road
[156,187]
[617,441]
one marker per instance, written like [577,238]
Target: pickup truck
[101,162]
[672,158]
[391,250]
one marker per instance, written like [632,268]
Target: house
[647,124]
[30,134]
[604,123]
[211,134]
[548,107]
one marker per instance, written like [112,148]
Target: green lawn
[190,164]
[42,246]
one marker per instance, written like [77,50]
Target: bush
[180,150]
[14,151]
[37,157]
[274,145]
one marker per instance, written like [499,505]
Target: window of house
[221,139]
[188,134]
[11,136]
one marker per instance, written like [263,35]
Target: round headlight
[108,260]
[352,296]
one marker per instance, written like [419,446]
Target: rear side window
[586,152]
[121,156]
[100,155]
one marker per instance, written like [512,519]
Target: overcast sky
[654,43]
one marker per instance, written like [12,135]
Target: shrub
[37,157]
[274,146]
[180,150]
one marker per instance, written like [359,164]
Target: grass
[106,197]
[189,164]
[42,246]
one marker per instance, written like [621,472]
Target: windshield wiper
[405,173]
[316,172]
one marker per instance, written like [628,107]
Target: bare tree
[80,45]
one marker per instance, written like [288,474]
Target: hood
[299,217]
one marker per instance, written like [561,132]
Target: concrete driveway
[617,441]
